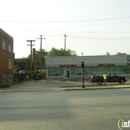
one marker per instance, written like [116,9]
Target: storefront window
[73,71]
[61,71]
[85,70]
[90,70]
[125,69]
[114,69]
[119,69]
[49,71]
[55,72]
[79,71]
[102,70]
[129,69]
[95,70]
[109,69]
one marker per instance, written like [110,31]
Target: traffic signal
[82,64]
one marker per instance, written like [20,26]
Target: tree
[107,53]
[61,52]
[120,53]
[52,52]
[38,55]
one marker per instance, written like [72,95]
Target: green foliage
[4,85]
[119,53]
[61,52]
[107,53]
[31,73]
[40,54]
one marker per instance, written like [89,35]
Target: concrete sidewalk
[95,88]
[77,85]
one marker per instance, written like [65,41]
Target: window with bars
[9,47]
[10,63]
[4,79]
[10,78]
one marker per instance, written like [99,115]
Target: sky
[92,27]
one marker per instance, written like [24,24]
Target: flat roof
[5,33]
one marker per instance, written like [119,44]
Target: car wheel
[99,83]
[122,81]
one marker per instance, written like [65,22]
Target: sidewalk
[77,85]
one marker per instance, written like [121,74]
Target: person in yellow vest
[105,78]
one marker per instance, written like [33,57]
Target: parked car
[112,77]
[22,72]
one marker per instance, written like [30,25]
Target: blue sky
[90,25]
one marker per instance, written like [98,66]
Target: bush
[32,73]
[4,85]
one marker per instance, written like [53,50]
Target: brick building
[6,57]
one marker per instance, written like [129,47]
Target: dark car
[112,77]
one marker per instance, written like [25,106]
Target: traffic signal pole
[82,65]
[83,79]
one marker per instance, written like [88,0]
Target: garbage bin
[37,77]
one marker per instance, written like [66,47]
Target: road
[39,105]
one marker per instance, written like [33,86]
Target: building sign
[67,65]
[128,58]
[106,64]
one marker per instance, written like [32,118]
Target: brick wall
[5,56]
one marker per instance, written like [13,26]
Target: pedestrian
[105,78]
[92,75]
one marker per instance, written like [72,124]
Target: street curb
[74,89]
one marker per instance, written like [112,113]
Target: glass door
[67,73]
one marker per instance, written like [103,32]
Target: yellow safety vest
[104,76]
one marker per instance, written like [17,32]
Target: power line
[58,35]
[94,38]
[89,20]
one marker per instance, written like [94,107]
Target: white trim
[4,79]
[10,64]
[10,47]
[4,44]
[10,78]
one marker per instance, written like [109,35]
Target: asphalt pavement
[43,105]
[26,109]
[57,85]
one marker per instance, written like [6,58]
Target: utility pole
[82,65]
[31,50]
[41,51]
[65,44]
